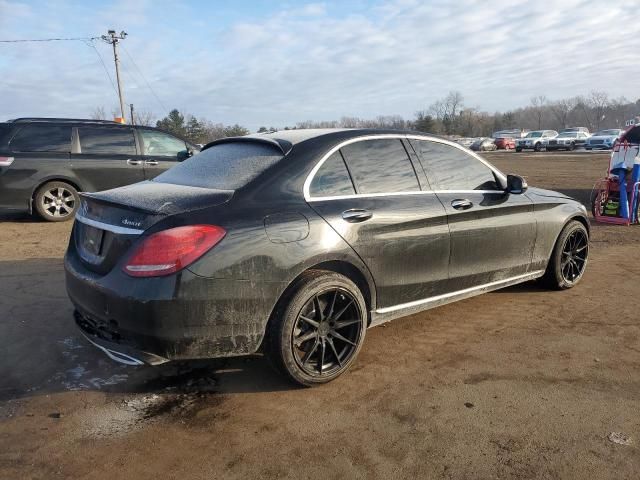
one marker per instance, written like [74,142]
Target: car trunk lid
[108,222]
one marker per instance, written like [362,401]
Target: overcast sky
[274,63]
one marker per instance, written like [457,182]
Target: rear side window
[161,144]
[380,166]
[227,166]
[114,141]
[450,168]
[332,179]
[42,138]
[5,130]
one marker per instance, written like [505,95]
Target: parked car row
[568,139]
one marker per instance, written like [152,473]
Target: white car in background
[535,140]
[604,139]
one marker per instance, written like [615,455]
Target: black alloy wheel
[569,258]
[327,332]
[574,256]
[318,328]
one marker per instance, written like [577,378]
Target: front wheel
[538,147]
[56,201]
[316,334]
[518,149]
[569,258]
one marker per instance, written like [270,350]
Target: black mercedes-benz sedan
[295,242]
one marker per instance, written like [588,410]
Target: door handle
[151,162]
[134,162]
[356,215]
[461,204]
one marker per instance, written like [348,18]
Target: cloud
[326,60]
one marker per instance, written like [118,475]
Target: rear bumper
[116,351]
[181,316]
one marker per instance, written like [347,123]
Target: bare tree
[537,106]
[561,109]
[98,113]
[145,117]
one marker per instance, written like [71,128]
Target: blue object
[635,178]
[624,202]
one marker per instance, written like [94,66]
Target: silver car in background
[534,140]
[604,139]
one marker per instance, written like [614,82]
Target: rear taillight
[6,161]
[171,250]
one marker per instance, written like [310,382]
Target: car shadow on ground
[44,353]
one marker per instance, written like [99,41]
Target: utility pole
[112,38]
[133,119]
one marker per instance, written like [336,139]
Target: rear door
[493,233]
[370,193]
[106,157]
[40,152]
[160,151]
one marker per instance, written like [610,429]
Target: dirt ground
[520,383]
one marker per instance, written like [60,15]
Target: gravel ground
[520,383]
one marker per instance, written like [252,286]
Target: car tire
[317,329]
[56,201]
[572,147]
[518,149]
[569,258]
[537,147]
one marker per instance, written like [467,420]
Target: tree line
[446,116]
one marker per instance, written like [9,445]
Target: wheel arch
[363,281]
[44,181]
[580,218]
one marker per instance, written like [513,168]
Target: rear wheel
[569,258]
[315,336]
[518,149]
[56,201]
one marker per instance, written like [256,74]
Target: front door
[106,157]
[369,193]
[492,232]
[160,151]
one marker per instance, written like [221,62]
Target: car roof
[285,140]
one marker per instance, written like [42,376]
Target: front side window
[42,138]
[332,179]
[161,144]
[110,141]
[450,168]
[380,166]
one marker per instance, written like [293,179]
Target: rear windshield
[228,166]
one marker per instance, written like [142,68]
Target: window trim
[307,183]
[346,167]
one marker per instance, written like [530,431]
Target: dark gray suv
[45,162]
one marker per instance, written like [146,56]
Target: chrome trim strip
[308,180]
[418,192]
[437,298]
[107,226]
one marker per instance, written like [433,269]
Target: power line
[164,109]
[49,40]
[106,70]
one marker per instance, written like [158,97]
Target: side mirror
[516,184]
[184,154]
